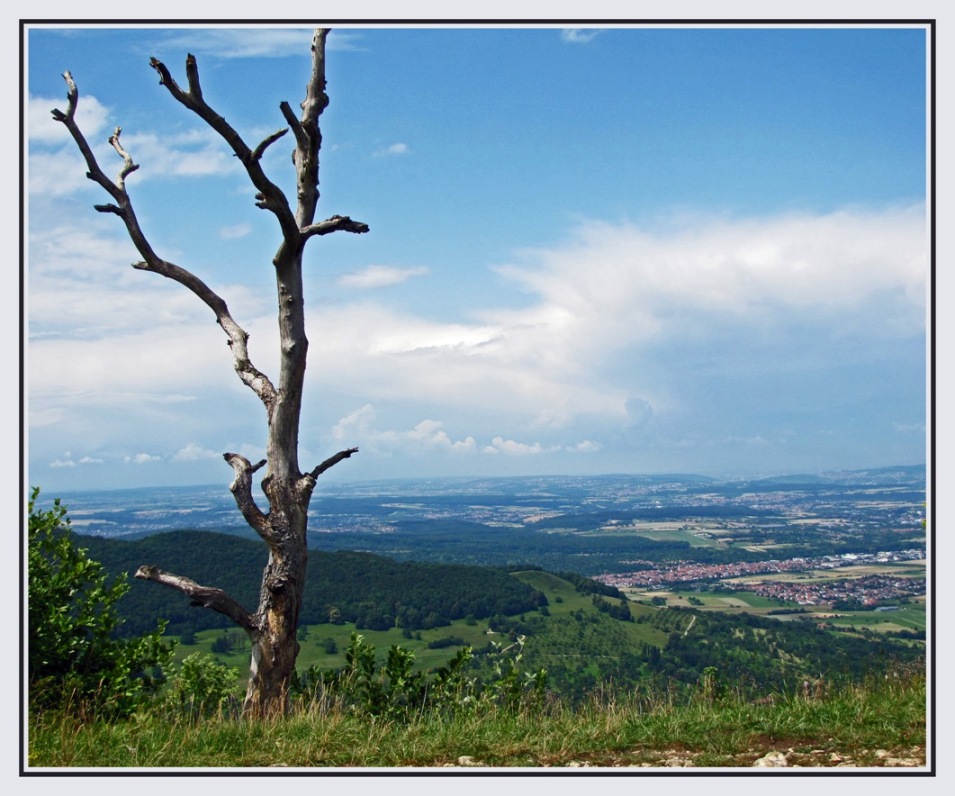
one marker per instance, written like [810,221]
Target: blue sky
[609,250]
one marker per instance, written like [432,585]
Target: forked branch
[241,488]
[204,596]
[123,207]
[272,197]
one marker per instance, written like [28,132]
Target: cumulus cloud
[194,452]
[374,276]
[777,291]
[513,448]
[360,426]
[142,458]
[67,460]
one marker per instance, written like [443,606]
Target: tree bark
[272,627]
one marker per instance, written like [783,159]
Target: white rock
[772,760]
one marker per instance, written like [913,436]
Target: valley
[626,579]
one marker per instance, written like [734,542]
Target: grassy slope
[563,599]
[878,724]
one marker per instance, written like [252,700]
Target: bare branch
[300,136]
[334,224]
[238,337]
[308,135]
[123,208]
[272,197]
[331,461]
[267,142]
[128,166]
[241,488]
[192,76]
[94,173]
[204,596]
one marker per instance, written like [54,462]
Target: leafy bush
[74,659]
[394,690]
[203,686]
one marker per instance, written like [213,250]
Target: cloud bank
[599,343]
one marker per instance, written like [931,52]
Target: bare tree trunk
[272,628]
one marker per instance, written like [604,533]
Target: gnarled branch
[123,208]
[334,224]
[128,166]
[204,596]
[241,488]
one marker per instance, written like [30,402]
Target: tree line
[368,590]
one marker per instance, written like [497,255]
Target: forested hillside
[367,590]
[585,634]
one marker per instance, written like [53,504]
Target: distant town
[867,590]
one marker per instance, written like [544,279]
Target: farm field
[906,618]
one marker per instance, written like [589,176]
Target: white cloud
[198,152]
[359,428]
[42,128]
[193,452]
[619,285]
[513,448]
[579,35]
[55,174]
[597,350]
[243,42]
[374,276]
[235,231]
[192,153]
[68,461]
[142,458]
[612,290]
[393,149]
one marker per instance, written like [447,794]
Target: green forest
[366,590]
[585,634]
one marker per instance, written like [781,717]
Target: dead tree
[272,627]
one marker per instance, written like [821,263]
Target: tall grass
[853,722]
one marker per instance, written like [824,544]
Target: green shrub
[74,659]
[203,686]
